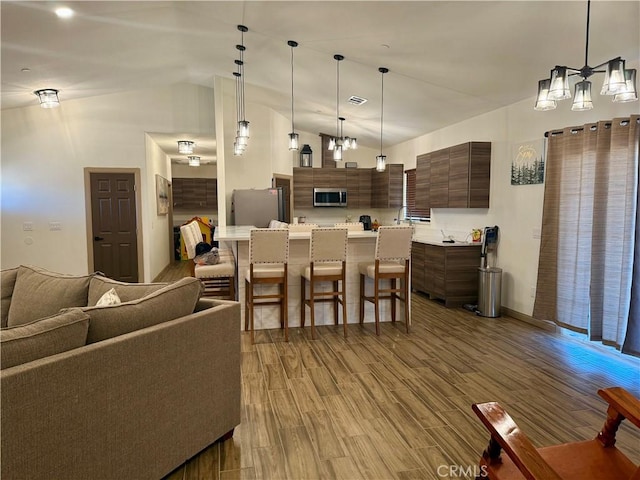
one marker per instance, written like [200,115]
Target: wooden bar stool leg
[407,299]
[394,295]
[285,306]
[303,301]
[335,302]
[361,299]
[344,307]
[246,305]
[312,306]
[376,299]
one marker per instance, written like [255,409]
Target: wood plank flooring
[398,406]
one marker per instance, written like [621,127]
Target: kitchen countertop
[236,233]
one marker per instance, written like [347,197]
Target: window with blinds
[410,198]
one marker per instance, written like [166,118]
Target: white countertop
[235,233]
[239,233]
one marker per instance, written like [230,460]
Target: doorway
[114,246]
[284,181]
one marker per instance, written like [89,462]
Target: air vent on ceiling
[353,100]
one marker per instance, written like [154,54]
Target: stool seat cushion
[325,268]
[266,271]
[226,269]
[369,268]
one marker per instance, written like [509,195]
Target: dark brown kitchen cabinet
[364,187]
[469,175]
[448,273]
[330,178]
[194,194]
[417,267]
[353,188]
[454,177]
[386,187]
[439,191]
[423,182]
[303,187]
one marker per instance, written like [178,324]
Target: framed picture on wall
[162,195]
[527,163]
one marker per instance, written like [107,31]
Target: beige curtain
[588,229]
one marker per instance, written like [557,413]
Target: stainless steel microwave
[329,197]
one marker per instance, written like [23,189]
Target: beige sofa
[134,405]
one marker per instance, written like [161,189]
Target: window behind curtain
[410,198]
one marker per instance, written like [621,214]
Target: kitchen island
[361,248]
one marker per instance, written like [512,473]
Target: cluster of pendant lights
[339,143]
[618,82]
[186,147]
[242,131]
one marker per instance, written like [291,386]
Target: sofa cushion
[7,282]
[99,285]
[173,301]
[47,336]
[39,293]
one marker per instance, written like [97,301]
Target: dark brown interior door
[113,211]
[285,183]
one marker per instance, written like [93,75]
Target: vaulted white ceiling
[448,61]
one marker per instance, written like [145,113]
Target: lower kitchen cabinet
[446,272]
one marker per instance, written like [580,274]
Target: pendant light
[194,161]
[618,81]
[242,133]
[48,97]
[381,160]
[293,136]
[336,142]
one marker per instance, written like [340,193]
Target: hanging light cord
[337,97]
[586,48]
[293,44]
[381,106]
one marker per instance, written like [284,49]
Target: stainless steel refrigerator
[257,207]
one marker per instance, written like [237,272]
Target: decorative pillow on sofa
[7,282]
[42,338]
[109,298]
[127,292]
[39,293]
[173,301]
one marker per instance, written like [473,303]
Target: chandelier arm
[604,63]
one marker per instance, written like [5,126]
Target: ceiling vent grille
[353,100]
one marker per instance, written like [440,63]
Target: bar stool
[393,252]
[302,227]
[328,259]
[268,259]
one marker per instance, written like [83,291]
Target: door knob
[98,239]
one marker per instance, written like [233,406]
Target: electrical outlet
[55,226]
[27,227]
[532,291]
[537,233]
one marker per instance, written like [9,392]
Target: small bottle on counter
[375,225]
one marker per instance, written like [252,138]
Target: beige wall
[44,153]
[517,210]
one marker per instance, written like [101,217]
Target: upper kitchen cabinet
[469,175]
[454,177]
[386,187]
[358,187]
[423,182]
[194,193]
[303,187]
[330,178]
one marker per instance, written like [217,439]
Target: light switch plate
[54,226]
[27,227]
[537,233]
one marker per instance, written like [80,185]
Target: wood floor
[398,406]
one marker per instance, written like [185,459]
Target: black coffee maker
[366,221]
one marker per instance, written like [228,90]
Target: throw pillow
[7,282]
[173,301]
[39,293]
[42,338]
[109,298]
[126,291]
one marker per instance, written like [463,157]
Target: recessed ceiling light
[64,12]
